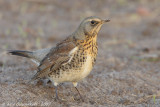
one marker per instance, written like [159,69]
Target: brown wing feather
[57,56]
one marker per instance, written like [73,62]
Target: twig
[149,82]
[39,1]
[146,98]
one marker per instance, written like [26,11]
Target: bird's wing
[63,53]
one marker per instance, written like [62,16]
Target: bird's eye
[93,22]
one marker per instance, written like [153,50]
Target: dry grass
[127,68]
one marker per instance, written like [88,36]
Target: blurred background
[128,62]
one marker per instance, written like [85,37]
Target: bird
[72,59]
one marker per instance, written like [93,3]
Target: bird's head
[90,26]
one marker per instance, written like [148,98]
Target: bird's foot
[57,99]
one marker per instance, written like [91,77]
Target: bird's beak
[105,21]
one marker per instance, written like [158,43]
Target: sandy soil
[127,71]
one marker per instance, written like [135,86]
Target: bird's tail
[26,54]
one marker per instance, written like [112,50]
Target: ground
[127,70]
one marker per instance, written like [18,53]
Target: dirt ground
[127,71]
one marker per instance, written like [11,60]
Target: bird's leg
[75,85]
[56,86]
[79,93]
[57,98]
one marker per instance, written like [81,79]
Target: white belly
[87,67]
